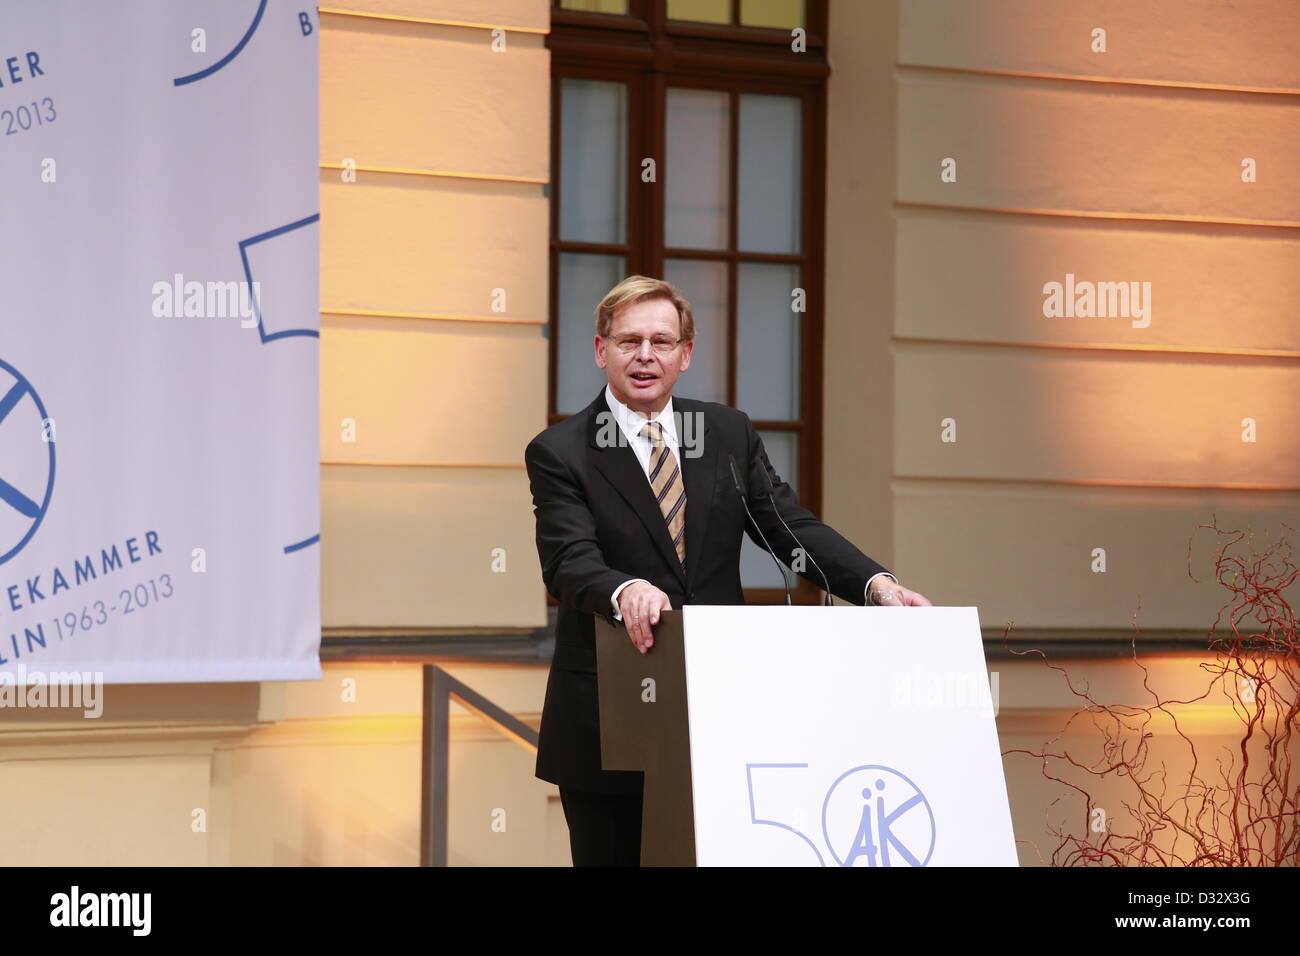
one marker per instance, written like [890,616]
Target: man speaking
[638,512]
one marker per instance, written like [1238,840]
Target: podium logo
[875,816]
[872,815]
[26,461]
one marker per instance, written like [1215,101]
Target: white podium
[809,736]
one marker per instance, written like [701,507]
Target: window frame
[649,53]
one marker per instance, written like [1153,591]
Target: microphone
[740,490]
[765,490]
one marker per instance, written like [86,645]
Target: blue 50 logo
[26,462]
[871,815]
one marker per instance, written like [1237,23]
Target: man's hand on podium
[640,603]
[887,593]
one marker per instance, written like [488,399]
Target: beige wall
[1072,433]
[336,779]
[433,299]
[445,387]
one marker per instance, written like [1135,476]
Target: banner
[159,340]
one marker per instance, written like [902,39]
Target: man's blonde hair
[638,289]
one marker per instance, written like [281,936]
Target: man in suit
[637,513]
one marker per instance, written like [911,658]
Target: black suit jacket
[598,525]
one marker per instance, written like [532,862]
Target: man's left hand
[886,593]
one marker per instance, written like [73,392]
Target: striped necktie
[666,481]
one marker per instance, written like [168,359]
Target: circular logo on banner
[875,816]
[27,482]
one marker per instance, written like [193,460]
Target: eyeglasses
[632,343]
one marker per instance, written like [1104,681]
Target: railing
[439,689]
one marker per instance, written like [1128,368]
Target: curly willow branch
[1240,811]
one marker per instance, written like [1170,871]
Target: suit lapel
[615,459]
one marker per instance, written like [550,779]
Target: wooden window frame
[649,53]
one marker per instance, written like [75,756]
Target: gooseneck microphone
[740,490]
[765,490]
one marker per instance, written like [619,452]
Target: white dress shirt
[631,422]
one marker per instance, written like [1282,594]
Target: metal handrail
[439,689]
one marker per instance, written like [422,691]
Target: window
[688,143]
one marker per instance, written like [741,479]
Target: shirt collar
[632,421]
